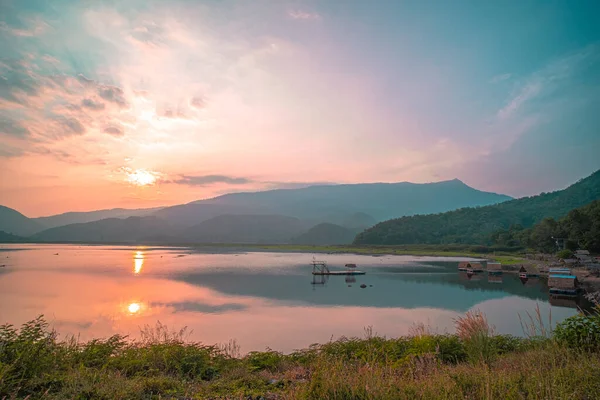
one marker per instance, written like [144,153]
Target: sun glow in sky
[141,177]
[134,308]
[141,103]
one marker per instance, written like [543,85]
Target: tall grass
[477,335]
[475,363]
[534,326]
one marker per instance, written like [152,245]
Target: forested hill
[475,225]
[580,228]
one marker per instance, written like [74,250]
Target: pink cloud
[303,15]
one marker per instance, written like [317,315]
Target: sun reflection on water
[138,262]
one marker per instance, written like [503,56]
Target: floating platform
[320,268]
[338,273]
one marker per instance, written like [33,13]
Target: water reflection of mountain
[510,284]
[404,287]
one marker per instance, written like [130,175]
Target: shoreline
[459,251]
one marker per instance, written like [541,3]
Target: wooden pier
[321,268]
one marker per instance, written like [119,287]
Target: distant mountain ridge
[75,217]
[13,222]
[475,225]
[110,230]
[335,203]
[274,216]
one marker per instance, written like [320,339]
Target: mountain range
[327,214]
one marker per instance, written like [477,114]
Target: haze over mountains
[275,216]
[89,216]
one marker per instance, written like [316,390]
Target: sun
[141,177]
[134,308]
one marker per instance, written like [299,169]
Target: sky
[144,103]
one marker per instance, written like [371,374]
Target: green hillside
[475,225]
[580,228]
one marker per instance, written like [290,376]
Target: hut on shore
[583,256]
[470,266]
[528,271]
[494,268]
[563,284]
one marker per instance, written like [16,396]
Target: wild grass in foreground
[473,364]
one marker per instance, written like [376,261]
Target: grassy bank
[473,364]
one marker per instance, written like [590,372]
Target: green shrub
[504,344]
[450,349]
[29,355]
[267,360]
[564,254]
[580,331]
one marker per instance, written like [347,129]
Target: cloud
[556,75]
[113,94]
[52,107]
[204,180]
[114,130]
[7,151]
[92,104]
[17,82]
[500,78]
[197,102]
[526,93]
[34,27]
[12,128]
[208,180]
[169,113]
[72,125]
[303,15]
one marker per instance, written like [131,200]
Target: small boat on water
[321,268]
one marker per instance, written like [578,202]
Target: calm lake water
[259,299]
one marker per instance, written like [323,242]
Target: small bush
[580,331]
[267,360]
[450,349]
[564,254]
[504,344]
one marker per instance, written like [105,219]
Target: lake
[260,299]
